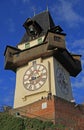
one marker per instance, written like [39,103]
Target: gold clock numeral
[30,86]
[44,76]
[26,82]
[44,71]
[25,77]
[41,68]
[41,82]
[37,86]
[27,86]
[32,68]
[28,72]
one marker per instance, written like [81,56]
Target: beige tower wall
[24,96]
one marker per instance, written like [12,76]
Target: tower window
[27,45]
[39,40]
[56,38]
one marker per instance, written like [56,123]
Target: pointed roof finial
[47,7]
[34,10]
[47,4]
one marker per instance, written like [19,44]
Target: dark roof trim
[11,48]
[76,55]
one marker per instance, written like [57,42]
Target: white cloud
[79,42]
[65,12]
[77,47]
[78,97]
[79,83]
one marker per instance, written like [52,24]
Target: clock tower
[41,61]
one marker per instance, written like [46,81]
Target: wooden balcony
[15,58]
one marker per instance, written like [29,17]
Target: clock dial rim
[39,80]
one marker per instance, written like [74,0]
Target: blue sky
[69,14]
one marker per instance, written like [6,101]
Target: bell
[32,32]
[31,29]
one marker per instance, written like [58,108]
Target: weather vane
[47,4]
[34,10]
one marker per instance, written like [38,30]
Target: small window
[10,54]
[57,38]
[34,62]
[27,45]
[17,54]
[39,40]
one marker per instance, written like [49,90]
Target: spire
[45,22]
[47,4]
[34,10]
[47,7]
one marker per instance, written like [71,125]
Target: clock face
[35,77]
[62,80]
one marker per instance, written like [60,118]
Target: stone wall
[57,110]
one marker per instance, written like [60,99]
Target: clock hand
[32,78]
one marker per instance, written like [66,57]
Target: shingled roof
[45,21]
